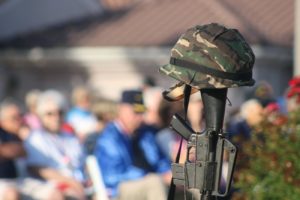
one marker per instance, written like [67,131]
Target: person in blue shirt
[131,163]
[80,117]
[52,154]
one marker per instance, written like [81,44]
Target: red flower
[272,107]
[293,91]
[294,82]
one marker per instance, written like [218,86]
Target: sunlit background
[111,45]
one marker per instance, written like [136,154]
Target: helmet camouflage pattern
[209,56]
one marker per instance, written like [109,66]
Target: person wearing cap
[130,160]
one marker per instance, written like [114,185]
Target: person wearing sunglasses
[54,155]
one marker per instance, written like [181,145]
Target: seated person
[240,126]
[131,163]
[30,118]
[53,155]
[80,116]
[11,148]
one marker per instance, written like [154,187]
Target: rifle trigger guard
[225,149]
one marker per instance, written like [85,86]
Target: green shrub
[272,171]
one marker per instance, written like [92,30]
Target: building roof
[160,22]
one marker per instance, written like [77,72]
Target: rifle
[205,170]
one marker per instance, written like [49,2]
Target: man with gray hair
[53,155]
[11,148]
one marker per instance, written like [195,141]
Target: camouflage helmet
[209,56]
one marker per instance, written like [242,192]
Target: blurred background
[111,45]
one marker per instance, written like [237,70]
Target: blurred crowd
[94,149]
[104,149]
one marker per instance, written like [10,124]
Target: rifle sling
[187,93]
